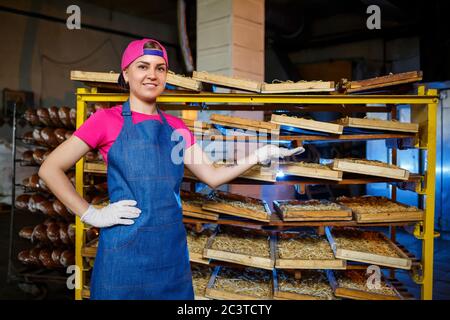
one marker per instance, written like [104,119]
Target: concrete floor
[59,292]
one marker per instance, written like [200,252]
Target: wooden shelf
[312,138]
[100,168]
[348,179]
[276,222]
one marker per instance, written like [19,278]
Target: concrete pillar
[230,41]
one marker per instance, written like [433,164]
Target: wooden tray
[90,249]
[342,213]
[197,126]
[183,82]
[245,259]
[394,215]
[301,86]
[359,294]
[246,124]
[228,208]
[195,209]
[401,260]
[312,241]
[221,274]
[377,124]
[112,78]
[95,167]
[303,169]
[308,124]
[200,278]
[229,82]
[198,238]
[384,81]
[371,168]
[308,278]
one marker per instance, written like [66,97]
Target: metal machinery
[424,106]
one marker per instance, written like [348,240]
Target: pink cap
[135,50]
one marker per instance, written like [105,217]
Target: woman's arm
[52,171]
[198,162]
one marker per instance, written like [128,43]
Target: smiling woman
[142,251]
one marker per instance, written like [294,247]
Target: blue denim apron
[149,259]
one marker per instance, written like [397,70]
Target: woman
[142,251]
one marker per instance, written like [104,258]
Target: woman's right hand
[121,212]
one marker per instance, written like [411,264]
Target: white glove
[121,212]
[270,151]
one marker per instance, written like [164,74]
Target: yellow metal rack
[424,109]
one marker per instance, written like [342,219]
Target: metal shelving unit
[31,279]
[424,109]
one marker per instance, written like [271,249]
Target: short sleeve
[184,131]
[92,131]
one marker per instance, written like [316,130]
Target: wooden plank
[368,209]
[95,167]
[213,293]
[198,258]
[401,262]
[343,213]
[390,217]
[209,216]
[86,76]
[384,81]
[372,169]
[243,123]
[280,294]
[112,78]
[316,171]
[298,87]
[197,126]
[236,257]
[183,82]
[229,209]
[308,124]
[356,294]
[199,274]
[86,293]
[193,238]
[228,82]
[298,263]
[89,252]
[194,209]
[378,124]
[251,261]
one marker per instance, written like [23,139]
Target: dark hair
[148,45]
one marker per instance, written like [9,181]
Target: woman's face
[146,77]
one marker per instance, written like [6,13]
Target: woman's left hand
[269,152]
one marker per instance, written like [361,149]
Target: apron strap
[163,118]
[126,113]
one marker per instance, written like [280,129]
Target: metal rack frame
[424,103]
[25,274]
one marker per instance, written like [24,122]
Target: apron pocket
[162,246]
[117,238]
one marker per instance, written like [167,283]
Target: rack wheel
[37,291]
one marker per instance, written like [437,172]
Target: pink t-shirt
[102,128]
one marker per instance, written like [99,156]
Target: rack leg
[428,226]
